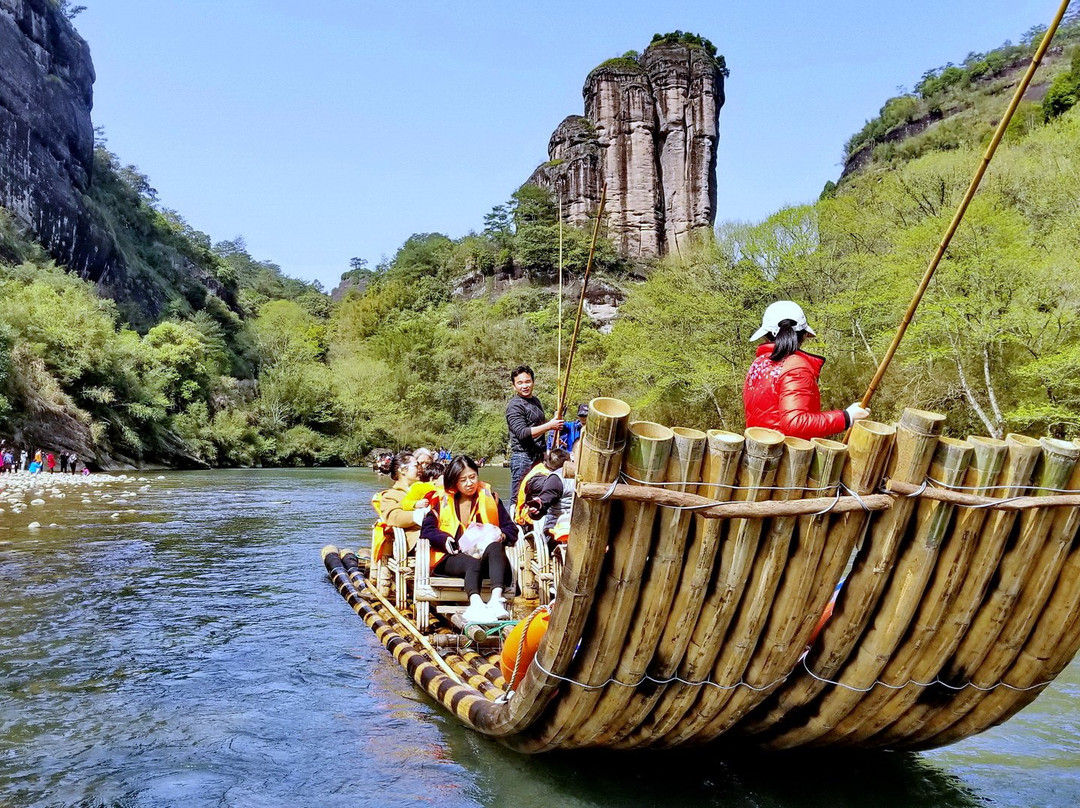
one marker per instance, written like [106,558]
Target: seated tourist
[466,502]
[404,471]
[543,488]
[426,492]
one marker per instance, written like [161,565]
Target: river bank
[36,494]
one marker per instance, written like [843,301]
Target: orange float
[534,627]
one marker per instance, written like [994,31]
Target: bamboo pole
[757,472]
[564,388]
[742,641]
[648,452]
[660,589]
[722,460]
[785,633]
[1027,572]
[958,498]
[1055,638]
[603,446]
[1003,124]
[878,646]
[916,441]
[870,444]
[927,646]
[709,509]
[467,703]
[1021,455]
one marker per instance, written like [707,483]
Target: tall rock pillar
[650,131]
[688,91]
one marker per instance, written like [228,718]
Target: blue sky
[325,131]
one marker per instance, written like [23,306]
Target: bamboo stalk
[648,452]
[467,703]
[1052,646]
[722,456]
[742,639]
[870,444]
[472,677]
[959,498]
[916,441]
[926,645]
[878,646]
[1056,636]
[663,577]
[1027,572]
[603,446]
[1021,455]
[757,471]
[785,635]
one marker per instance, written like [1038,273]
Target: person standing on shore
[24,459]
[525,420]
[73,461]
[63,462]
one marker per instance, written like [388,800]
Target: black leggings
[493,564]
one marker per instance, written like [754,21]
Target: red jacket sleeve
[799,406]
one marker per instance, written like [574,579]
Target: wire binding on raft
[761,688]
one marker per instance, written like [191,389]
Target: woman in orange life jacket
[404,471]
[468,501]
[781,390]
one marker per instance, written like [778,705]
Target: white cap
[778,312]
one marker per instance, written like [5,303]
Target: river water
[186,649]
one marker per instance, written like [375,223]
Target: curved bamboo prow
[681,618]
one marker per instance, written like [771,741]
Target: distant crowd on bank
[14,459]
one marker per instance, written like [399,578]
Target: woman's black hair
[455,469]
[432,471]
[399,460]
[786,341]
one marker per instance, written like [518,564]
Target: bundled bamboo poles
[800,597]
[621,709]
[757,473]
[925,646]
[616,598]
[700,565]
[1027,572]
[878,648]
[721,465]
[869,447]
[714,715]
[603,445]
[990,534]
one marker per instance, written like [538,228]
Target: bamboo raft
[700,564]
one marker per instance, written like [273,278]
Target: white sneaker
[477,613]
[497,609]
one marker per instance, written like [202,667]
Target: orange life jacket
[485,511]
[382,535]
[521,513]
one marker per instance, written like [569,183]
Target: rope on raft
[780,680]
[929,489]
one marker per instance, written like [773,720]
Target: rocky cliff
[46,137]
[650,132]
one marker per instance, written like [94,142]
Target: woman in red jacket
[781,389]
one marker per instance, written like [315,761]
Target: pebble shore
[24,493]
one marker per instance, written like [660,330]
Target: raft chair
[448,593]
[402,566]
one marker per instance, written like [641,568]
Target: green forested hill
[285,375]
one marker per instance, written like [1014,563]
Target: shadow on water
[705,777]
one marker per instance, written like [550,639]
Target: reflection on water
[191,652]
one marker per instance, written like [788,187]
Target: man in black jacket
[525,420]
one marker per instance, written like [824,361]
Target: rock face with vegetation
[46,138]
[650,132]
